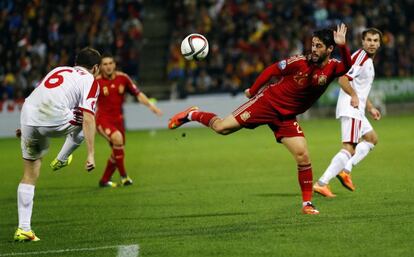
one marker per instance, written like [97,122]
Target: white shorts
[353,129]
[34,140]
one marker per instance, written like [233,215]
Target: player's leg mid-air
[296,145]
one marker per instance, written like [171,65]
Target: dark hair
[88,57]
[326,36]
[372,31]
[107,55]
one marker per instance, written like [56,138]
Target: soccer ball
[194,47]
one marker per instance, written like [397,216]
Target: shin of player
[303,81]
[358,135]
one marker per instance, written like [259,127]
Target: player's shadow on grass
[276,195]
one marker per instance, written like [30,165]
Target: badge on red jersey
[105,91]
[282,65]
[322,80]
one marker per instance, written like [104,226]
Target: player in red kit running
[302,80]
[109,117]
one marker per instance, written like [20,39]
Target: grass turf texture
[207,195]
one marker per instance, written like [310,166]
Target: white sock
[68,148]
[337,164]
[25,194]
[361,151]
[189,115]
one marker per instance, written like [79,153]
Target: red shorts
[106,127]
[258,111]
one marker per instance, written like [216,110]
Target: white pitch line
[123,251]
[128,251]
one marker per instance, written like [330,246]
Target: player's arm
[262,79]
[143,99]
[340,40]
[347,88]
[375,113]
[89,127]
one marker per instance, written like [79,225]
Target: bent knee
[117,138]
[373,139]
[302,157]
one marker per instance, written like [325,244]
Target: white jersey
[61,90]
[361,75]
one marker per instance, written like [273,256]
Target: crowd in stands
[38,35]
[246,36]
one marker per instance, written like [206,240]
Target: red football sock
[203,117]
[305,181]
[109,169]
[118,153]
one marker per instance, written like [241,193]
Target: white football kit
[48,111]
[354,123]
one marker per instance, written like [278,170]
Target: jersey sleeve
[358,60]
[131,87]
[345,64]
[89,96]
[281,68]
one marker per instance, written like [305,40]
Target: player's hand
[375,113]
[157,111]
[90,163]
[247,93]
[354,101]
[340,34]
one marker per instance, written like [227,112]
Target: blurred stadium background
[244,36]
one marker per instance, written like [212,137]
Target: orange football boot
[346,180]
[309,209]
[323,190]
[180,118]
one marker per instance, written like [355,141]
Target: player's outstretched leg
[180,118]
[25,236]
[57,164]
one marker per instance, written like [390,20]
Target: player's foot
[107,184]
[180,118]
[309,209]
[25,236]
[58,164]
[323,190]
[126,181]
[346,180]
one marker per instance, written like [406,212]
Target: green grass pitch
[201,194]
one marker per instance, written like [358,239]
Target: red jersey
[112,95]
[301,82]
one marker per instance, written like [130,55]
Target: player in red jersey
[109,117]
[302,80]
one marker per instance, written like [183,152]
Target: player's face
[319,51]
[371,43]
[108,66]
